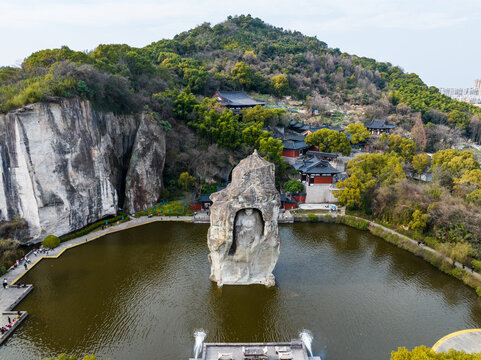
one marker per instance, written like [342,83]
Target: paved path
[468,341]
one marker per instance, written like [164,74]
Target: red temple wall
[323,180]
[290,153]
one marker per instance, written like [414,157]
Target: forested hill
[241,53]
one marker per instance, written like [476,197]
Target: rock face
[144,177]
[64,165]
[243,238]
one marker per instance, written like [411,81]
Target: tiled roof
[314,166]
[321,154]
[294,145]
[205,198]
[295,137]
[379,124]
[237,98]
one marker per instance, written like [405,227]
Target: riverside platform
[294,350]
[468,340]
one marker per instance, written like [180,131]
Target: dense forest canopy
[241,53]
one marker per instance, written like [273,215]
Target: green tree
[241,74]
[186,181]
[350,192]
[460,119]
[253,134]
[469,185]
[424,353]
[358,132]
[457,251]
[367,172]
[293,186]
[83,89]
[280,85]
[402,146]
[264,116]
[419,221]
[421,162]
[209,188]
[50,242]
[184,104]
[456,162]
[272,149]
[195,78]
[328,140]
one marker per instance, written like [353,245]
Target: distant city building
[469,95]
[477,84]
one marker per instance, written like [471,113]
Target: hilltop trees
[241,75]
[280,85]
[459,119]
[240,53]
[328,140]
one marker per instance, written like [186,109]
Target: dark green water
[140,294]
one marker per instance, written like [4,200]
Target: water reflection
[141,294]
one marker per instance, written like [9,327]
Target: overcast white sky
[437,39]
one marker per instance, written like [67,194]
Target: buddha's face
[248,211]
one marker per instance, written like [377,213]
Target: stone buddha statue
[248,231]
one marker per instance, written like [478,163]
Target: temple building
[293,149]
[379,126]
[236,100]
[305,129]
[315,171]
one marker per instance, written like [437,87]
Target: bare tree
[475,129]
[418,134]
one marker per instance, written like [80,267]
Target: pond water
[140,294]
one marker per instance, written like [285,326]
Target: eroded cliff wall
[64,165]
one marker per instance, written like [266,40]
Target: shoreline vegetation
[432,256]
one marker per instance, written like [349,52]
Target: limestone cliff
[64,164]
[144,177]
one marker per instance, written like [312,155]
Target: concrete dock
[294,350]
[468,341]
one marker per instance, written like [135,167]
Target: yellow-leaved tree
[358,132]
